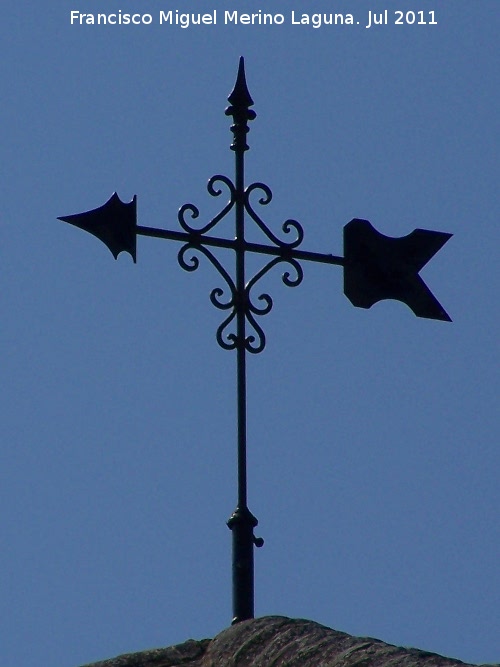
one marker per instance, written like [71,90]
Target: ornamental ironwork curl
[255,342]
[192,264]
[288,226]
[253,309]
[194,211]
[237,302]
[231,340]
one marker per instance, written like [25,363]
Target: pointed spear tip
[114,223]
[240,95]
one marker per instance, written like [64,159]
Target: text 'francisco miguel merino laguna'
[215,17]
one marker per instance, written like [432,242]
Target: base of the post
[242,522]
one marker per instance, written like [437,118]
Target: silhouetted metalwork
[114,223]
[375,267]
[378,267]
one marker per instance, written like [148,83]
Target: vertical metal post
[242,521]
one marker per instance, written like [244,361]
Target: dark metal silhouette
[375,267]
[114,223]
[379,267]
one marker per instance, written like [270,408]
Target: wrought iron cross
[375,267]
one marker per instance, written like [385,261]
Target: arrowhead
[114,224]
[379,267]
[240,96]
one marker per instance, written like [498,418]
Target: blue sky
[373,435]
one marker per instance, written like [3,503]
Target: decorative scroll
[193,210]
[256,344]
[228,298]
[217,294]
[287,227]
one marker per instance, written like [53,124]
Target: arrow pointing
[379,267]
[114,223]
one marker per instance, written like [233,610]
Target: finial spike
[240,101]
[240,96]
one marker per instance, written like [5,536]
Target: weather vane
[376,267]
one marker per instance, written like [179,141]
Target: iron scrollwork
[228,298]
[215,192]
[287,227]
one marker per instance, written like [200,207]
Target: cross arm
[232,244]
